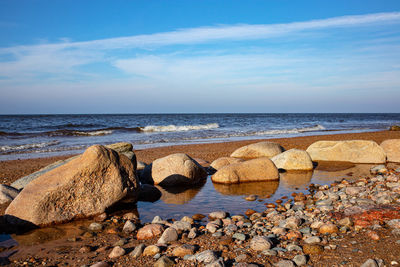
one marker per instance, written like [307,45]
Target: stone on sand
[355,151]
[260,169]
[83,187]
[392,149]
[258,150]
[293,159]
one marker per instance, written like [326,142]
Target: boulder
[7,193]
[394,128]
[355,151]
[123,148]
[224,161]
[255,170]
[293,159]
[174,169]
[258,150]
[83,187]
[392,149]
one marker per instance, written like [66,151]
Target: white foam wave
[93,133]
[27,146]
[291,131]
[178,128]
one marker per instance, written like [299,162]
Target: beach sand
[15,169]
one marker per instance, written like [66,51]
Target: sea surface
[28,136]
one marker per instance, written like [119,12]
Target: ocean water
[28,136]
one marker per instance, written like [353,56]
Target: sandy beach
[15,169]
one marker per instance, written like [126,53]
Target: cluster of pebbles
[287,233]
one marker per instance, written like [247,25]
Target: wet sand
[15,169]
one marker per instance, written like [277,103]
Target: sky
[63,56]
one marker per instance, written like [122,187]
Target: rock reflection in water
[328,172]
[44,235]
[179,194]
[257,188]
[295,179]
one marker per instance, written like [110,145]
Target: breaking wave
[21,147]
[178,128]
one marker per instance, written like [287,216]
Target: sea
[30,136]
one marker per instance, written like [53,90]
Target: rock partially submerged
[258,150]
[174,169]
[261,169]
[83,187]
[122,147]
[293,159]
[355,151]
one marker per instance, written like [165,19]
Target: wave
[315,128]
[12,148]
[178,128]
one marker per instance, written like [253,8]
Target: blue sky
[199,56]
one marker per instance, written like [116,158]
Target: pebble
[169,235]
[182,226]
[300,260]
[116,252]
[239,236]
[183,250]
[207,256]
[95,227]
[100,264]
[138,251]
[164,261]
[129,227]
[312,240]
[269,252]
[218,215]
[192,233]
[217,263]
[151,250]
[251,198]
[293,247]
[328,229]
[260,243]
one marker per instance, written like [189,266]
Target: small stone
[241,258]
[313,249]
[187,219]
[149,231]
[380,169]
[346,222]
[138,251]
[269,252]
[101,217]
[85,249]
[294,235]
[211,227]
[121,242]
[129,227]
[260,243]
[164,261]
[239,236]
[183,250]
[300,260]
[182,226]
[285,263]
[370,263]
[217,215]
[312,240]
[328,229]
[206,256]
[395,223]
[251,198]
[157,219]
[95,227]
[151,250]
[198,217]
[116,252]
[217,263]
[169,235]
[293,247]
[192,233]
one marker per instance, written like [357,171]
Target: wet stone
[217,215]
[138,251]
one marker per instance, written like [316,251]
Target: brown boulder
[293,159]
[83,187]
[258,150]
[174,169]
[392,149]
[355,151]
[261,169]
[224,161]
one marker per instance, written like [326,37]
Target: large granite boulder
[355,151]
[83,187]
[224,161]
[293,159]
[174,169]
[122,147]
[7,193]
[258,150]
[392,149]
[260,169]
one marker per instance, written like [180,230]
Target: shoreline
[11,170]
